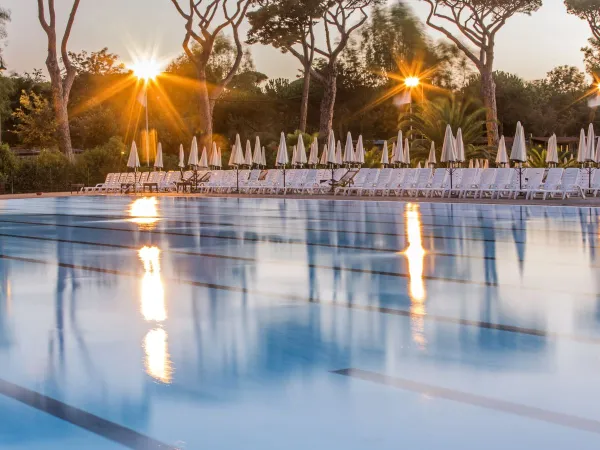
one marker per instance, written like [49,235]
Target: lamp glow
[146,70]
[411,82]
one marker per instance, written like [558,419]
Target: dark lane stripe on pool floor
[302,227]
[403,275]
[354,306]
[266,239]
[530,412]
[82,419]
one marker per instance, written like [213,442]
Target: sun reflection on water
[144,212]
[415,255]
[158,363]
[153,308]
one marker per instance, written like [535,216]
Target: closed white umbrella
[338,154]
[219,159]
[502,155]
[519,151]
[552,151]
[203,158]
[583,147]
[313,157]
[214,155]
[398,156]
[248,154]
[460,147]
[238,157]
[282,154]
[449,151]
[324,154]
[431,159]
[348,157]
[470,164]
[193,158]
[301,152]
[231,156]
[264,157]
[419,165]
[477,166]
[486,164]
[294,156]
[384,155]
[598,152]
[591,142]
[134,160]
[181,164]
[331,159]
[406,157]
[359,154]
[257,159]
[158,162]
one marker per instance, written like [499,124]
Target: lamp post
[146,71]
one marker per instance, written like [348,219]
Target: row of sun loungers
[493,183]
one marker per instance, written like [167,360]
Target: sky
[529,46]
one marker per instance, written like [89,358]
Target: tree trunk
[488,93]
[328,101]
[61,113]
[304,105]
[205,104]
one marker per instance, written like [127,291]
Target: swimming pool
[205,323]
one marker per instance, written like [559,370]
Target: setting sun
[146,70]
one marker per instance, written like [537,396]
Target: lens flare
[146,69]
[411,82]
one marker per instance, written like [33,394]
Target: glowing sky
[528,46]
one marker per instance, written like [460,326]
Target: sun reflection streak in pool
[153,308]
[144,212]
[415,255]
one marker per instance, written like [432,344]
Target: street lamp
[146,70]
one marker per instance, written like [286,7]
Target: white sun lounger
[569,186]
[385,176]
[422,178]
[552,182]
[437,183]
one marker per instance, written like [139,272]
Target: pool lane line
[352,306]
[488,207]
[300,264]
[264,238]
[330,230]
[482,227]
[75,416]
[530,412]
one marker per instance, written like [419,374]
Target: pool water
[205,323]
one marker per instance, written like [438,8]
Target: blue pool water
[297,324]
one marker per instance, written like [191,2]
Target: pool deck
[588,202]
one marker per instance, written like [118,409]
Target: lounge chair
[468,180]
[383,180]
[437,183]
[551,183]
[569,186]
[483,181]
[422,178]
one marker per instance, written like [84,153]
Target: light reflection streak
[158,363]
[415,255]
[144,212]
[153,308]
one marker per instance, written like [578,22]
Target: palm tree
[429,119]
[536,157]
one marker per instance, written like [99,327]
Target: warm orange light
[146,70]
[411,82]
[144,212]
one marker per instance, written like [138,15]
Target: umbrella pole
[332,180]
[237,179]
[590,176]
